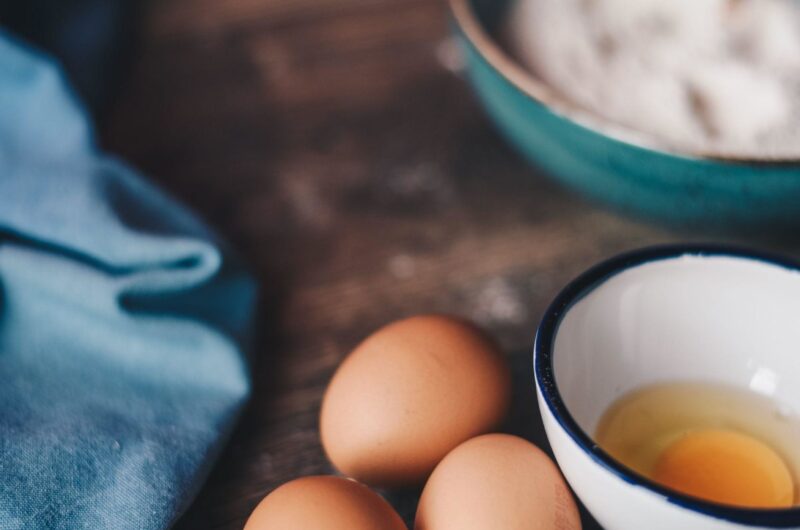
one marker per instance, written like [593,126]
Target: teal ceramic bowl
[619,167]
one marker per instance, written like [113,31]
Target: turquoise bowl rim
[472,29]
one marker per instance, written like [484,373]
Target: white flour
[708,75]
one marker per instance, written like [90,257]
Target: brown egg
[497,481]
[410,393]
[324,503]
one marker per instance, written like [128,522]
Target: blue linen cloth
[122,325]
[93,40]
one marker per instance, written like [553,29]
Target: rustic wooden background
[335,143]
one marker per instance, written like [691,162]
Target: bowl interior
[491,14]
[709,318]
[483,24]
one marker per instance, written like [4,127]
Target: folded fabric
[122,325]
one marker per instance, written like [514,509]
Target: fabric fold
[123,324]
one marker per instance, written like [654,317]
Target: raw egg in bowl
[668,381]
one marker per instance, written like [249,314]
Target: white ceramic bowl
[664,314]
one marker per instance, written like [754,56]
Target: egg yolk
[726,467]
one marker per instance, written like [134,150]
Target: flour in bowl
[704,75]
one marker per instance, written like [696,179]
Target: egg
[324,503]
[497,481]
[409,394]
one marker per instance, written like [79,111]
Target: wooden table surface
[336,145]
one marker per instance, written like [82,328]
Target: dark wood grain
[334,145]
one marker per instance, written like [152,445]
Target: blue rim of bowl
[546,382]
[472,29]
